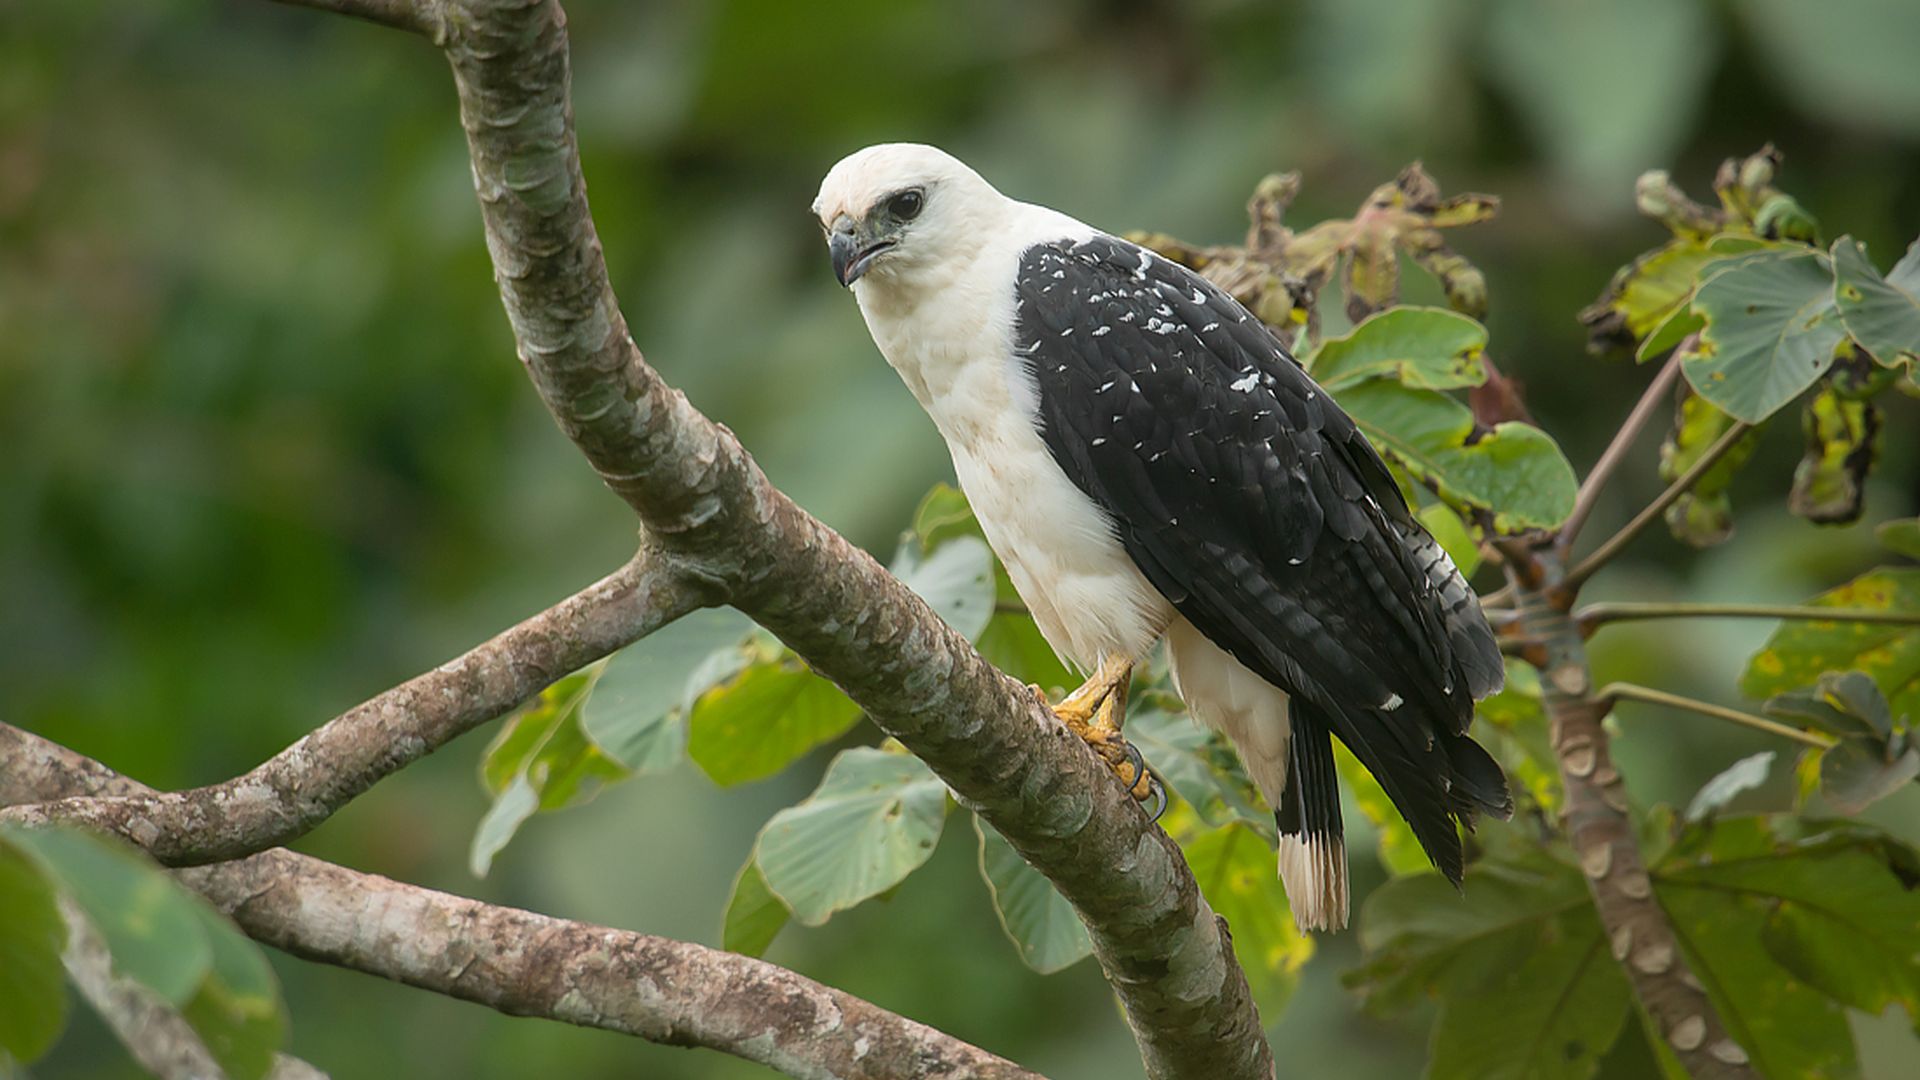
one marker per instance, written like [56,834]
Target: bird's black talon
[1158,793]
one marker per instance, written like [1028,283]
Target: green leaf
[1012,643]
[1514,470]
[1837,925]
[1703,515]
[541,760]
[1842,704]
[545,745]
[1843,440]
[1432,348]
[943,514]
[1444,524]
[1771,330]
[1872,756]
[1800,651]
[874,819]
[1520,965]
[1656,286]
[1198,765]
[638,712]
[764,719]
[1882,313]
[238,1011]
[1037,919]
[1743,775]
[149,923]
[510,809]
[754,915]
[1236,870]
[1901,537]
[956,580]
[32,937]
[169,941]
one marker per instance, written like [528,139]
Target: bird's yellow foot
[1095,712]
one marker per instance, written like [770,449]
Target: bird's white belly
[1086,595]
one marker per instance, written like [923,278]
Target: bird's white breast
[952,342]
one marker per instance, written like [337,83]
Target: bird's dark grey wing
[1254,504]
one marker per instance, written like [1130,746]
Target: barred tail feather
[1313,852]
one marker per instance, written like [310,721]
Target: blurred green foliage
[269,451]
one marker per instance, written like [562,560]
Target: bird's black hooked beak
[853,250]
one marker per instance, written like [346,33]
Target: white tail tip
[1314,871]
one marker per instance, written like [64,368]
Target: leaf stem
[1594,616]
[1618,541]
[1621,691]
[1616,451]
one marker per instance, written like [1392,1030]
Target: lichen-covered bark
[515,961]
[1638,930]
[304,784]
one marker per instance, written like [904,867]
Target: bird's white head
[892,210]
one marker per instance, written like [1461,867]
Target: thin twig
[1616,451]
[1618,541]
[1621,691]
[1594,616]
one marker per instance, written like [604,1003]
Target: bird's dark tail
[1313,852]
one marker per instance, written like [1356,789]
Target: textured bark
[517,962]
[703,499]
[304,784]
[1637,928]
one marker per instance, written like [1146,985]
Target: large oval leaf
[1515,471]
[1803,650]
[765,719]
[638,712]
[956,581]
[1770,331]
[1425,347]
[1527,989]
[873,820]
[1039,921]
[149,923]
[1882,313]
[754,915]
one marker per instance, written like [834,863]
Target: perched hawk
[1149,462]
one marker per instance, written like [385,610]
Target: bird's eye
[905,206]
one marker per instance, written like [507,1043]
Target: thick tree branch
[1641,936]
[525,964]
[1616,451]
[1618,542]
[703,498]
[304,784]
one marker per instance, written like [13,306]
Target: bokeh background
[266,450]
